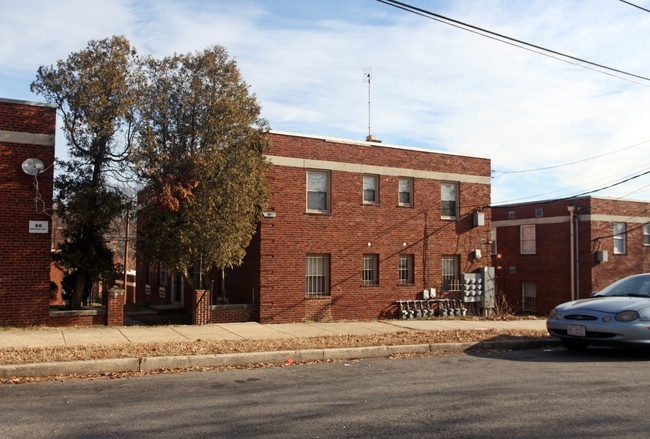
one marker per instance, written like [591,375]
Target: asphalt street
[520,394]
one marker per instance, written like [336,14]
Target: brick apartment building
[351,227]
[534,243]
[27,131]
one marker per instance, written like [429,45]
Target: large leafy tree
[200,156]
[96,92]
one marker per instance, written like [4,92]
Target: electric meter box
[472,287]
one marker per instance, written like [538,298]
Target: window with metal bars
[317,275]
[450,277]
[528,297]
[405,269]
[370,269]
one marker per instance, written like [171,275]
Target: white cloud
[433,85]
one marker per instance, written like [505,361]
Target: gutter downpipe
[577,254]
[571,208]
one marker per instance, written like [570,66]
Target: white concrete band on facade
[565,219]
[26,138]
[377,170]
[30,103]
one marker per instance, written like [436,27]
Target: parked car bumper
[599,332]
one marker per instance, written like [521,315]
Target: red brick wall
[25,261]
[233,313]
[637,257]
[345,233]
[549,267]
[61,319]
[272,276]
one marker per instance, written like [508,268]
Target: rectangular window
[162,276]
[449,200]
[371,269]
[405,192]
[528,297]
[619,239]
[527,234]
[318,191]
[370,189]
[646,234]
[317,275]
[197,277]
[406,269]
[450,278]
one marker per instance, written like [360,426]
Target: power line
[633,5]
[612,177]
[518,43]
[583,194]
[571,163]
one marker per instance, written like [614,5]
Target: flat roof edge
[369,143]
[30,103]
[567,199]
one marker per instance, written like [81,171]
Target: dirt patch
[201,347]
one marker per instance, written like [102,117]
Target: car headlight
[626,316]
[553,313]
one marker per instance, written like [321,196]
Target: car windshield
[638,286]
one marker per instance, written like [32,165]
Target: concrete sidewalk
[45,337]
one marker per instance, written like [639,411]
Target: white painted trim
[531,221]
[27,138]
[616,218]
[368,143]
[30,103]
[378,170]
[565,219]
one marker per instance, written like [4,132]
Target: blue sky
[433,86]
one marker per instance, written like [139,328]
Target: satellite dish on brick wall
[32,166]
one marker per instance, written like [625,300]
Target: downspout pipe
[572,208]
[576,228]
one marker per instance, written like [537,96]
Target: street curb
[148,364]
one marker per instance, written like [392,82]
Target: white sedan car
[617,315]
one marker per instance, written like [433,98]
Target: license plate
[576,330]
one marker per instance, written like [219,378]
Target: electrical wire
[570,163]
[613,178]
[519,43]
[598,238]
[583,194]
[635,6]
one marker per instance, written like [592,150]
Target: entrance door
[177,292]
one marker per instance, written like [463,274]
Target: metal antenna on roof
[368,76]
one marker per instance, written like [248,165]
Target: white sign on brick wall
[38,227]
